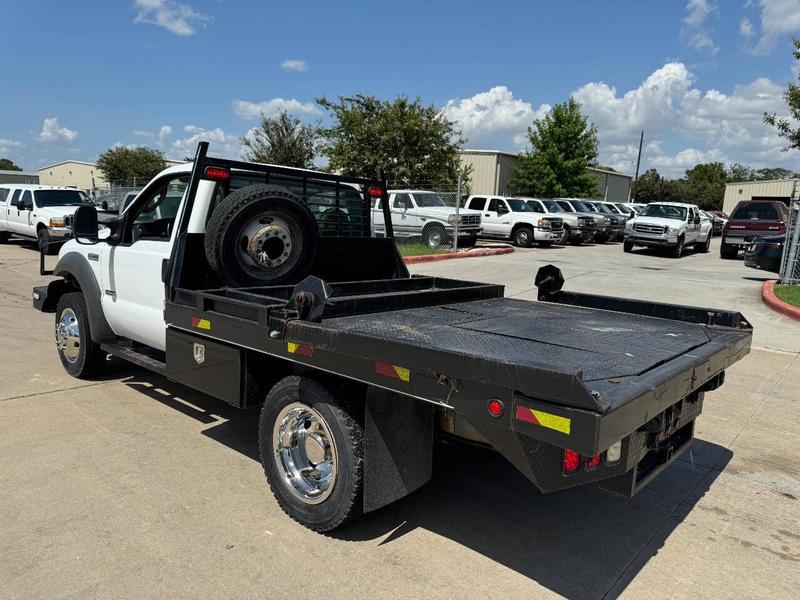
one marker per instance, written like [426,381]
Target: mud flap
[398,447]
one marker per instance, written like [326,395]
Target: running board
[142,355]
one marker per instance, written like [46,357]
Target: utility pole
[638,162]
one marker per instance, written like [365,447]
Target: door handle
[487,215]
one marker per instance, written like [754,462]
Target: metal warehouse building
[72,173]
[19,177]
[492,171]
[776,189]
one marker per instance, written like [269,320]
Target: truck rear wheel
[311,450]
[4,235]
[261,235]
[79,355]
[705,245]
[728,251]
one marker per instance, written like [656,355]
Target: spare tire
[261,235]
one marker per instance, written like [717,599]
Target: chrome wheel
[305,452]
[435,237]
[523,238]
[269,243]
[68,335]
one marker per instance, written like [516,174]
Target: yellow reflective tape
[402,373]
[291,347]
[204,324]
[552,421]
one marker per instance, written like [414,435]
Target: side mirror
[84,225]
[697,220]
[25,205]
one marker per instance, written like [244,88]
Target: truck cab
[38,212]
[508,218]
[425,214]
[671,225]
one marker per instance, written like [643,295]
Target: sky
[695,75]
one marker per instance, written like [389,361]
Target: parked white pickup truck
[38,212]
[669,225]
[512,219]
[421,213]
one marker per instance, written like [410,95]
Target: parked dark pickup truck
[750,219]
[263,285]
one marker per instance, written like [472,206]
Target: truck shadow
[581,543]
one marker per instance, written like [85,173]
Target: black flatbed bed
[607,371]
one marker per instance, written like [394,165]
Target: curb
[411,260]
[770,299]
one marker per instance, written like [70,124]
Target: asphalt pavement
[135,487]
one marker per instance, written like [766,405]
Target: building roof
[19,173]
[66,162]
[758,181]
[617,173]
[474,151]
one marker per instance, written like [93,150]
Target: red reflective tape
[526,414]
[300,349]
[387,370]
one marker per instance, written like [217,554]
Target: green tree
[773,173]
[740,172]
[282,140]
[705,185]
[562,145]
[407,140]
[649,188]
[787,128]
[8,165]
[130,166]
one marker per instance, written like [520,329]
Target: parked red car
[750,219]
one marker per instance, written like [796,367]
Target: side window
[155,211]
[497,205]
[3,195]
[536,206]
[402,201]
[15,198]
[27,199]
[477,203]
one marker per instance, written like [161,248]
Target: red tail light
[593,462]
[781,228]
[375,192]
[572,461]
[495,408]
[217,174]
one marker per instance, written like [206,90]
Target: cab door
[402,217]
[496,220]
[692,228]
[133,298]
[19,217]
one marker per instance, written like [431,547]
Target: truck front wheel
[79,355]
[523,237]
[43,239]
[677,249]
[311,450]
[434,236]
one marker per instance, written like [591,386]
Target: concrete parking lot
[134,487]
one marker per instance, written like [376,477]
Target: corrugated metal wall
[736,192]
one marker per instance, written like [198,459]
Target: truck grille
[586,222]
[643,228]
[554,224]
[471,220]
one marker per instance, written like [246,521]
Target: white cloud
[696,31]
[158,137]
[486,116]
[686,159]
[52,131]
[294,64]
[221,143]
[746,28]
[779,19]
[10,143]
[180,19]
[252,110]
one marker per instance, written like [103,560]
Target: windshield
[518,205]
[627,210]
[605,208]
[61,198]
[580,206]
[553,206]
[664,211]
[428,200]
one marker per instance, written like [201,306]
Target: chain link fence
[113,196]
[790,263]
[428,217]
